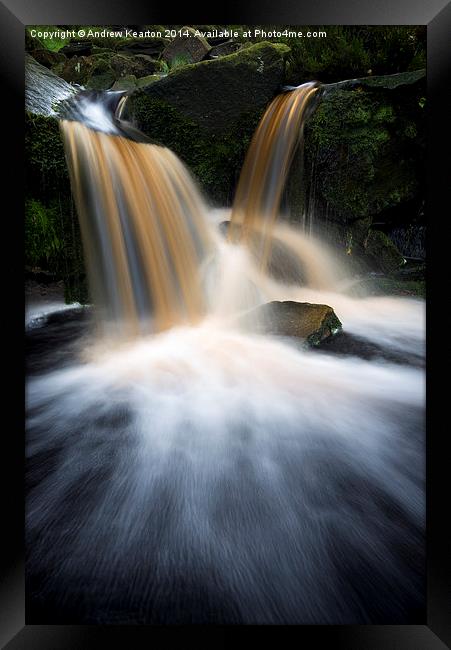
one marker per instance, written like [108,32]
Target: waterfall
[143,225]
[266,167]
[146,230]
[199,471]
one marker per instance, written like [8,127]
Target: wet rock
[47,58]
[191,49]
[392,81]
[382,252]
[412,270]
[123,65]
[310,322]
[365,146]
[100,71]
[387,82]
[410,239]
[215,40]
[217,93]
[151,65]
[365,248]
[79,69]
[146,81]
[102,76]
[148,46]
[224,49]
[77,48]
[283,265]
[43,89]
[125,83]
[350,345]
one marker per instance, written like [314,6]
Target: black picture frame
[432,633]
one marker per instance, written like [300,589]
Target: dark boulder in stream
[310,322]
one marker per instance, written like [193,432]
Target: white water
[205,473]
[36,314]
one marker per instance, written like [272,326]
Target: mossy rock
[392,81]
[364,249]
[216,93]
[365,145]
[310,322]
[52,233]
[102,78]
[146,81]
[125,83]
[101,70]
[45,157]
[224,49]
[382,252]
[148,46]
[77,48]
[189,46]
[78,69]
[47,58]
[207,112]
[391,286]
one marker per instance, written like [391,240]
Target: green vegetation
[52,235]
[177,62]
[53,44]
[367,149]
[349,51]
[214,159]
[43,236]
[364,144]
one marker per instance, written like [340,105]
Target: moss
[214,159]
[366,149]
[125,83]
[392,81]
[271,52]
[46,162]
[43,241]
[207,112]
[216,93]
[149,79]
[52,234]
[410,130]
[383,253]
[53,44]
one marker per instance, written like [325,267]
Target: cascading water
[143,224]
[266,167]
[202,474]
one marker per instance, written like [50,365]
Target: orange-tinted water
[266,167]
[143,228]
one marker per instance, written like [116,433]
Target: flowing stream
[181,469]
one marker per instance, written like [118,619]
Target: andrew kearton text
[169,32]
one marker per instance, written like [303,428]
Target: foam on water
[215,474]
[204,474]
